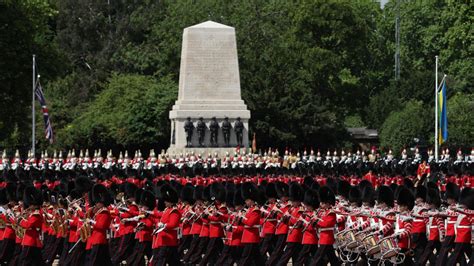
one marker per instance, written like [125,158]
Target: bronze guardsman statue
[239,128]
[201,129]
[226,126]
[214,128]
[189,128]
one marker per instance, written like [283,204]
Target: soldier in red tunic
[250,236]
[310,237]
[31,244]
[463,229]
[435,227]
[451,195]
[404,223]
[98,243]
[165,242]
[325,227]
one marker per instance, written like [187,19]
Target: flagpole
[33,126]
[436,111]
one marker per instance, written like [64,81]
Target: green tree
[401,127]
[461,120]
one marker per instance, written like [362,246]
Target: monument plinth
[209,86]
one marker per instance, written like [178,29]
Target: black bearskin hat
[433,197]
[326,195]
[452,191]
[466,192]
[355,195]
[197,194]
[421,192]
[296,192]
[271,191]
[129,189]
[408,183]
[3,196]
[250,191]
[237,199]
[168,193]
[469,201]
[187,193]
[83,184]
[368,195]
[282,189]
[100,194]
[343,188]
[308,182]
[385,195]
[148,199]
[311,198]
[217,192]
[406,198]
[32,196]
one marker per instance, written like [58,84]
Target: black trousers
[325,251]
[278,251]
[64,252]
[196,257]
[428,253]
[458,255]
[125,249]
[305,255]
[420,241]
[6,252]
[30,256]
[251,255]
[291,251]
[165,256]
[268,244]
[55,249]
[184,244]
[213,250]
[99,255]
[446,246]
[141,250]
[192,247]
[77,255]
[408,258]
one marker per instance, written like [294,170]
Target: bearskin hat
[308,181]
[249,191]
[11,192]
[206,194]
[393,186]
[311,198]
[32,196]
[368,195]
[187,194]
[466,192]
[469,201]
[355,195]
[363,184]
[343,188]
[315,186]
[83,184]
[148,199]
[326,195]
[296,192]
[385,195]
[100,194]
[433,197]
[421,192]
[138,195]
[408,183]
[129,189]
[452,191]
[282,189]
[74,194]
[271,191]
[406,198]
[197,193]
[432,184]
[217,192]
[3,196]
[168,193]
[237,199]
[229,197]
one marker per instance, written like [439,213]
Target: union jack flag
[48,129]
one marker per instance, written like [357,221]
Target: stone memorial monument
[209,86]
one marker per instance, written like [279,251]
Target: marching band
[97,213]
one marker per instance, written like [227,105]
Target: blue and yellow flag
[443,115]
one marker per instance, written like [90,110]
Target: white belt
[433,227]
[463,227]
[255,226]
[326,229]
[451,222]
[418,220]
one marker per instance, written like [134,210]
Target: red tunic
[33,227]
[309,234]
[169,236]
[99,230]
[216,220]
[128,227]
[251,223]
[295,234]
[403,228]
[326,227]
